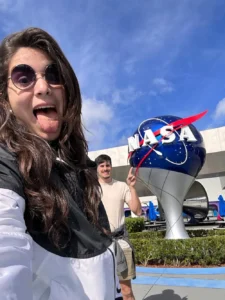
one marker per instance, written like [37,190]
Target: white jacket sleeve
[15,249]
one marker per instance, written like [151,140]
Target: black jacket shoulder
[10,177]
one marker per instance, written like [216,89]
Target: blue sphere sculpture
[168,153]
[180,156]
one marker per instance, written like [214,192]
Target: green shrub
[205,232]
[202,251]
[191,233]
[134,224]
[205,247]
[147,234]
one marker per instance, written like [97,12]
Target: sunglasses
[23,76]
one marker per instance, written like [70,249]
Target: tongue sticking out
[48,120]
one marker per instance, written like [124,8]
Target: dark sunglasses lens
[52,75]
[23,76]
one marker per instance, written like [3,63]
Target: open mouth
[45,110]
[47,117]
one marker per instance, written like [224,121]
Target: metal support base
[170,188]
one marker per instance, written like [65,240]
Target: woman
[52,223]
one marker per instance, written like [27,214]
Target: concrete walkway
[179,283]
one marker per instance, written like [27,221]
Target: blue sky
[135,59]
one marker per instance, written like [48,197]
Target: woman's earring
[10,111]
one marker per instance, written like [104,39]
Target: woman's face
[40,106]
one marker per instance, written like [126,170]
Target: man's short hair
[102,158]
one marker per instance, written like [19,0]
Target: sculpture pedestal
[170,188]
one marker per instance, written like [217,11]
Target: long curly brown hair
[35,157]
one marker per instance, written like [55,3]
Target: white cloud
[162,86]
[7,5]
[125,96]
[4,5]
[123,141]
[129,66]
[97,116]
[153,93]
[220,110]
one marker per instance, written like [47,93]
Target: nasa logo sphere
[169,143]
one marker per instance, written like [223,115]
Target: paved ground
[179,283]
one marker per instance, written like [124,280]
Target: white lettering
[133,143]
[187,134]
[149,138]
[166,132]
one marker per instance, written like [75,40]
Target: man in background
[114,195]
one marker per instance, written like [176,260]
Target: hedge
[205,247]
[192,233]
[196,251]
[134,224]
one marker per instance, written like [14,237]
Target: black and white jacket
[31,268]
